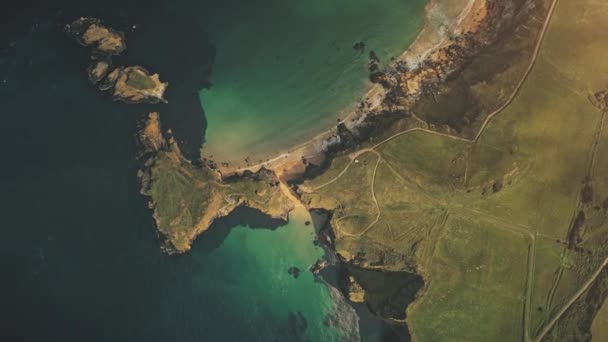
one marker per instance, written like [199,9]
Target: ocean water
[287,70]
[80,258]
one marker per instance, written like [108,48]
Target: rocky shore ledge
[439,55]
[443,49]
[186,198]
[130,84]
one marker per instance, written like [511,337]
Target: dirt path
[531,254]
[541,38]
[572,300]
[373,193]
[590,172]
[532,248]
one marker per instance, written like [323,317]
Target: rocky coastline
[164,168]
[439,53]
[212,192]
[388,111]
[401,85]
[130,84]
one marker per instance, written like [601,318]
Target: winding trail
[572,300]
[489,118]
[371,225]
[590,172]
[482,128]
[485,124]
[531,255]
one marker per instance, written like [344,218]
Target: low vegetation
[508,230]
[139,80]
[186,199]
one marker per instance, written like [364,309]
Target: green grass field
[476,287]
[464,101]
[514,198]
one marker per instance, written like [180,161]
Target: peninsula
[475,163]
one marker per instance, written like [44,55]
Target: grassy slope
[472,282]
[137,80]
[464,101]
[186,199]
[524,173]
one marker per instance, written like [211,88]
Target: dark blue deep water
[79,257]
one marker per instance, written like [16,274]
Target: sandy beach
[444,19]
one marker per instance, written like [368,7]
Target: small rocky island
[129,84]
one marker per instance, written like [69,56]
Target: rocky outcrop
[356,293]
[187,199]
[131,84]
[481,28]
[92,33]
[97,70]
[136,85]
[151,136]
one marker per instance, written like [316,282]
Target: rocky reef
[130,84]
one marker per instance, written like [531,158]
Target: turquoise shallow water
[80,258]
[259,284]
[82,261]
[286,70]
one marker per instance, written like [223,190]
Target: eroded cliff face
[363,235]
[186,199]
[131,84]
[485,23]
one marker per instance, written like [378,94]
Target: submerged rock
[294,271]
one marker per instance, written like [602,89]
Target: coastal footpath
[450,44]
[465,199]
[343,173]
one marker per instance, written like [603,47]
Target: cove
[286,70]
[81,260]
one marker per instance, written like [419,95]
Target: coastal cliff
[336,172]
[186,199]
